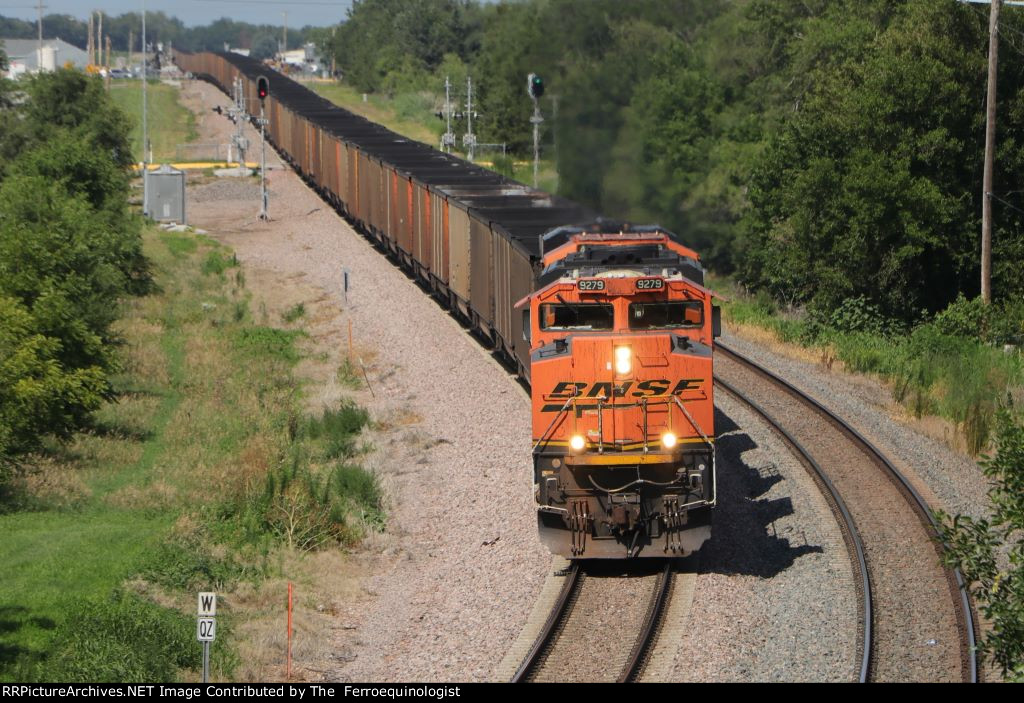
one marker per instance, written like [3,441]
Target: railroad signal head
[535,86]
[262,87]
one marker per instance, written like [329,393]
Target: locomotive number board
[650,284]
[590,284]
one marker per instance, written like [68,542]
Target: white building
[23,55]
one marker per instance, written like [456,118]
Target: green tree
[869,189]
[62,262]
[264,46]
[71,100]
[81,171]
[990,551]
[382,37]
[38,395]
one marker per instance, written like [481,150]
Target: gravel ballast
[464,560]
[461,561]
[774,599]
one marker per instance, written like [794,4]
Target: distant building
[295,57]
[304,59]
[24,56]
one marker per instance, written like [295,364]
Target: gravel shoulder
[460,564]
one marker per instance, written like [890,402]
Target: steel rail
[554,622]
[917,501]
[652,620]
[847,524]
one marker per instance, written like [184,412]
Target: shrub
[990,551]
[338,429]
[59,258]
[309,508]
[294,313]
[189,565]
[964,318]
[302,510]
[124,639]
[37,394]
[858,315]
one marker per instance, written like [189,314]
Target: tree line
[159,28]
[70,250]
[820,151]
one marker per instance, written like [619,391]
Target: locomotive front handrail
[644,405]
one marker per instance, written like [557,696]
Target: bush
[964,318]
[338,429]
[37,394]
[858,315]
[307,512]
[990,552]
[69,251]
[122,639]
[310,507]
[189,565]
[944,367]
[362,491]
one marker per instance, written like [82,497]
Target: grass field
[179,487]
[412,115]
[169,122]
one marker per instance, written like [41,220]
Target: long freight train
[609,323]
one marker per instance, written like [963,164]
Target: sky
[194,12]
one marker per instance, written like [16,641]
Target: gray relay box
[165,194]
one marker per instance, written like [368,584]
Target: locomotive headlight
[623,360]
[576,442]
[668,440]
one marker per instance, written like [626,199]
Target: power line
[1012,207]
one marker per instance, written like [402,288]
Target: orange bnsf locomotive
[614,330]
[621,333]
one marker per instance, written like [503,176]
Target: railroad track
[916,622]
[589,593]
[894,610]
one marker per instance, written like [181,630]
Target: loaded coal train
[609,323]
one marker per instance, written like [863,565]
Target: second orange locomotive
[621,335]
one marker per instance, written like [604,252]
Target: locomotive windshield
[576,316]
[666,314]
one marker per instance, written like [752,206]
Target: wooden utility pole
[990,145]
[107,64]
[284,35]
[88,47]
[39,49]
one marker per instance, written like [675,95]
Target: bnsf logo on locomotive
[564,390]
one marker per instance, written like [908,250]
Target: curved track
[591,590]
[917,622]
[853,541]
[872,616]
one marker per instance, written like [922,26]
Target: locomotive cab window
[576,316]
[666,314]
